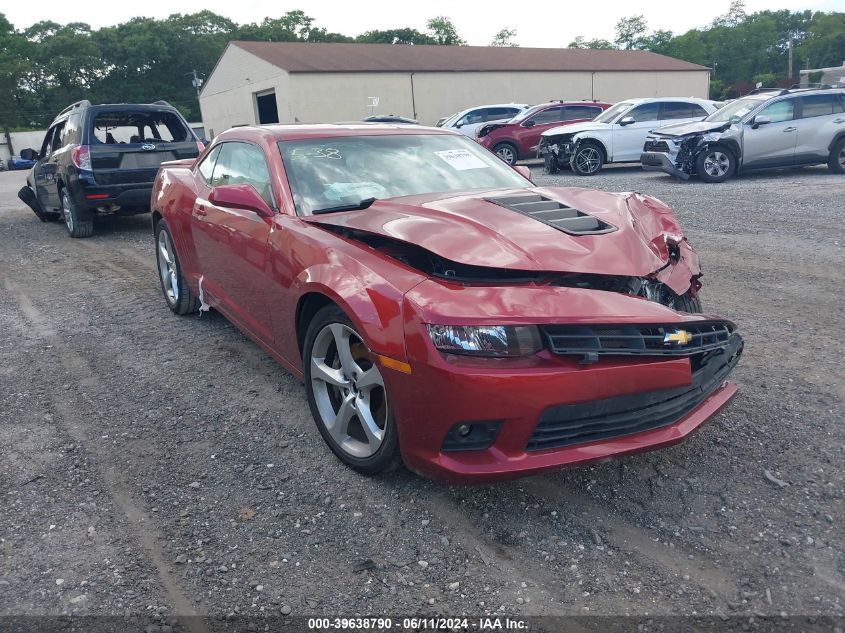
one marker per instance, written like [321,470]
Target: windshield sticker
[341,191]
[461,159]
[316,152]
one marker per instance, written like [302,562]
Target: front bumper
[553,411]
[658,161]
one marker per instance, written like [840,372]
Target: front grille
[555,214]
[636,339]
[656,146]
[565,425]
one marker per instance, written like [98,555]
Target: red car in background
[518,138]
[437,305]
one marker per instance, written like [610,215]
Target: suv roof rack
[813,86]
[79,104]
[161,102]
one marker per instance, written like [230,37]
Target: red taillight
[81,157]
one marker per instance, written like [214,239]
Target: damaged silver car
[765,129]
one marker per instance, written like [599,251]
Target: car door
[45,169]
[629,138]
[822,116]
[231,244]
[528,133]
[771,144]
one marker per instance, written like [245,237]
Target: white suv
[617,134]
[468,121]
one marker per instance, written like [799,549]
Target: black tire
[588,159]
[715,164]
[181,300]
[507,152]
[550,165]
[836,162]
[387,456]
[77,223]
[687,303]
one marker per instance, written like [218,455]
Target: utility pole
[789,72]
[196,82]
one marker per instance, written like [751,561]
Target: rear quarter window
[128,127]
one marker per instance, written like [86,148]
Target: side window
[47,143]
[698,111]
[820,105]
[206,167]
[581,112]
[243,164]
[53,141]
[645,112]
[549,115]
[495,114]
[779,111]
[475,116]
[681,110]
[839,106]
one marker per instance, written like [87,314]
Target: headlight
[486,340]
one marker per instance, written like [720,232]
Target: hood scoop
[555,214]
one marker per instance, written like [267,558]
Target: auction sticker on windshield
[461,159]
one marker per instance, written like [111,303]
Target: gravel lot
[166,466]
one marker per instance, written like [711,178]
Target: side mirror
[523,171]
[529,123]
[459,124]
[626,120]
[759,120]
[240,197]
[29,154]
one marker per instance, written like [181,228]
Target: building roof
[305,57]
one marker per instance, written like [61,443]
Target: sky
[539,23]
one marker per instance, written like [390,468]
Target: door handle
[839,120]
[789,129]
[201,210]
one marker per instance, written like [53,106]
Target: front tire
[347,395]
[507,152]
[587,160]
[550,165]
[836,162]
[177,294]
[78,224]
[715,164]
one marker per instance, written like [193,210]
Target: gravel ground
[166,466]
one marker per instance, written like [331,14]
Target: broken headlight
[486,340]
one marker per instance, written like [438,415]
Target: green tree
[582,42]
[395,36]
[630,31]
[443,31]
[504,38]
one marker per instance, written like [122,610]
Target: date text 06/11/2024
[418,624]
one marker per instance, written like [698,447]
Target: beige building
[291,82]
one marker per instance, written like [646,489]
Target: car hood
[697,127]
[470,229]
[574,128]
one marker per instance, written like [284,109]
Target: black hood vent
[554,213]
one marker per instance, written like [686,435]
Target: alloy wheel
[588,160]
[167,267]
[66,212]
[507,155]
[716,164]
[348,391]
[842,158]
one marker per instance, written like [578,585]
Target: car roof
[640,100]
[328,130]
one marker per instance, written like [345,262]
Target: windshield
[608,115]
[331,172]
[735,110]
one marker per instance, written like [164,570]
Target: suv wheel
[836,162]
[587,160]
[507,152]
[77,226]
[715,164]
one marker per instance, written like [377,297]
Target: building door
[266,108]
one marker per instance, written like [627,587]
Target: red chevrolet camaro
[438,305]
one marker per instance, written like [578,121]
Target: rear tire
[836,162]
[587,160]
[77,225]
[507,152]
[177,294]
[345,390]
[715,164]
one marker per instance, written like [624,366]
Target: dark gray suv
[102,159]
[781,128]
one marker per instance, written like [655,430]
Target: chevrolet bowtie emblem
[681,337]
